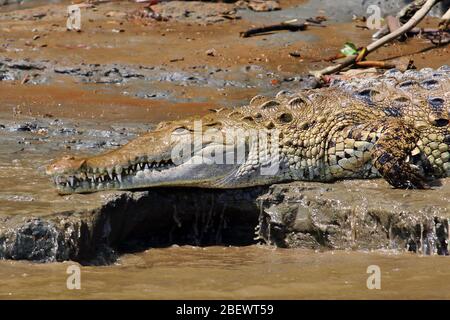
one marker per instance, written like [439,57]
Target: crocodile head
[410,118]
[200,152]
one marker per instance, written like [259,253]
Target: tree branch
[445,20]
[350,60]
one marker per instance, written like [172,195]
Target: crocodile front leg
[394,145]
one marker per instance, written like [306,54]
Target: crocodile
[394,125]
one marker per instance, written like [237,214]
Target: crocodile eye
[180,130]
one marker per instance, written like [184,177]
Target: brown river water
[254,272]
[250,272]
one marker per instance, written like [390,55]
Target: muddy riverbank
[66,92]
[83,93]
[344,215]
[159,70]
[38,224]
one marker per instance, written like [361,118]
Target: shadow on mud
[187,217]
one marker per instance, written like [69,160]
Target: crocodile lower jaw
[144,175]
[136,176]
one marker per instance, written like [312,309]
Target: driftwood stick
[274,27]
[375,64]
[394,24]
[350,60]
[446,16]
[416,30]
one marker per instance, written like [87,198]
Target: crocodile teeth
[110,173]
[104,177]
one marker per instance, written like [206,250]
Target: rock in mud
[362,215]
[196,11]
[259,5]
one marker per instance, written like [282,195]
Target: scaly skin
[395,126]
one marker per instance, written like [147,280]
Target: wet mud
[252,272]
[358,215]
[82,93]
[66,92]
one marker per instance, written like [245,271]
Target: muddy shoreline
[344,215]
